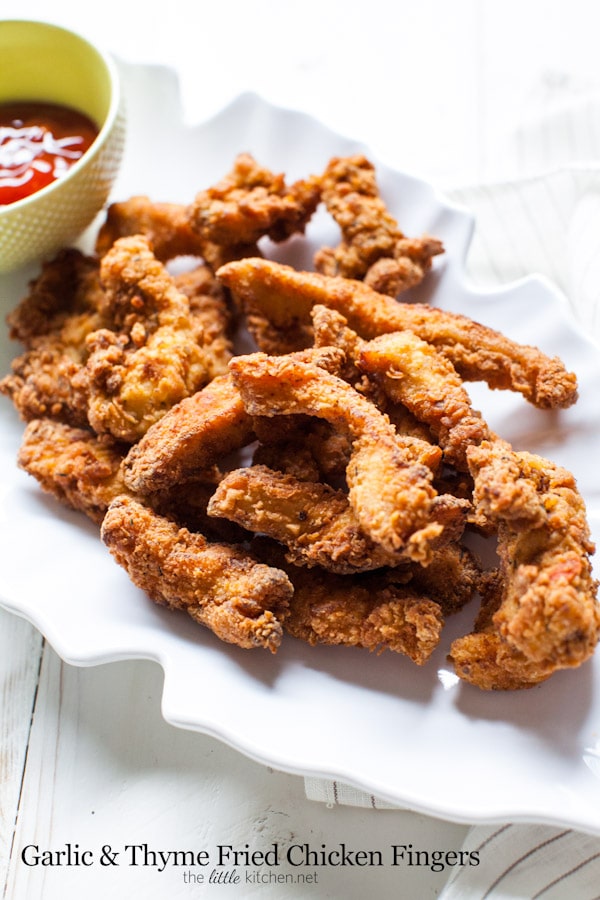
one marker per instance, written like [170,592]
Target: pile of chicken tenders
[322,485]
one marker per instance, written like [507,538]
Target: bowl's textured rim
[105,129]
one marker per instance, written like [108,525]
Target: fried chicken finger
[278,301]
[70,463]
[373,247]
[193,435]
[389,486]
[219,585]
[546,616]
[313,520]
[413,373]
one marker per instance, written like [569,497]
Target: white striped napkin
[527,862]
[334,793]
[547,224]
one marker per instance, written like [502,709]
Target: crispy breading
[61,307]
[67,305]
[44,382]
[413,373]
[85,473]
[251,202]
[169,232]
[134,376]
[67,285]
[309,448]
[483,659]
[186,504]
[356,610]
[452,578]
[367,456]
[220,585]
[547,616]
[373,248]
[410,380]
[314,521]
[211,319]
[326,610]
[193,435]
[165,225]
[73,465]
[278,301]
[196,432]
[389,486]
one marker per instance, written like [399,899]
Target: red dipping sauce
[39,142]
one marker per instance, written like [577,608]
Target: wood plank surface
[20,657]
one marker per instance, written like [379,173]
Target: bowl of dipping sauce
[62,131]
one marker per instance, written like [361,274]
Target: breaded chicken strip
[357,611]
[373,248]
[451,579]
[79,470]
[66,304]
[211,320]
[278,301]
[197,432]
[220,585]
[546,616]
[168,230]
[483,659]
[410,380]
[61,308]
[44,382]
[86,474]
[331,329]
[251,202]
[327,610]
[413,373]
[68,284]
[314,521]
[311,450]
[389,486]
[135,375]
[165,225]
[193,435]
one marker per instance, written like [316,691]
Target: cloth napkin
[543,219]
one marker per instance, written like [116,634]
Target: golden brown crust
[62,307]
[546,616]
[367,457]
[251,202]
[413,373]
[165,225]
[389,486]
[79,470]
[193,435]
[135,375]
[314,521]
[373,248]
[357,610]
[219,585]
[329,612]
[279,300]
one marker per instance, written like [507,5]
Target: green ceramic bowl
[42,62]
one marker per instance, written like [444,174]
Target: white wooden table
[86,758]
